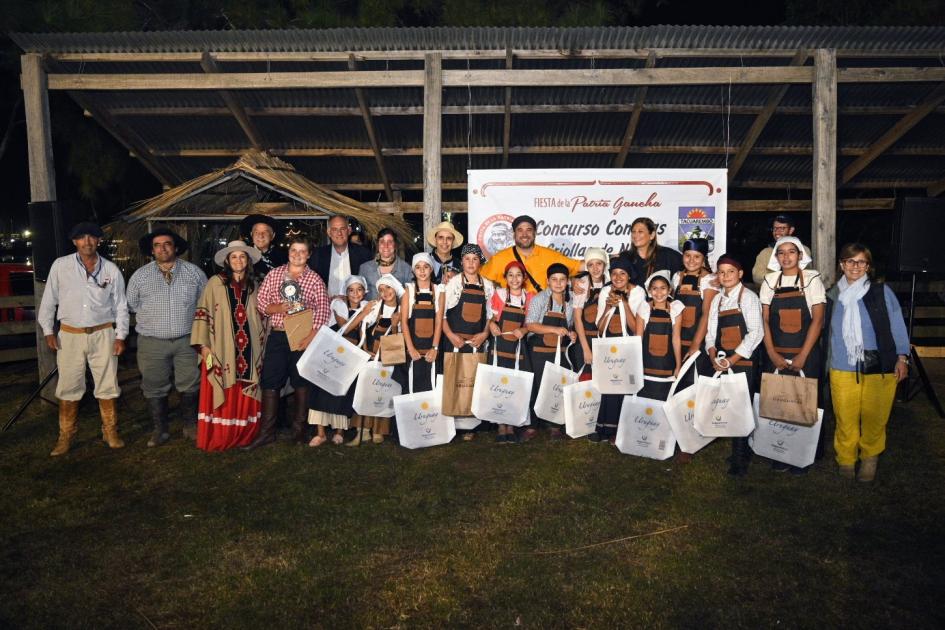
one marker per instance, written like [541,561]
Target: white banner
[580,208]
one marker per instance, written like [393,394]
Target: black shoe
[780,466]
[799,472]
[594,437]
[501,438]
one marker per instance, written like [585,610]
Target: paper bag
[459,380]
[393,351]
[297,328]
[789,398]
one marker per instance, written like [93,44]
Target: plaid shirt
[165,311]
[314,296]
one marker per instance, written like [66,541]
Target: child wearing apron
[421,311]
[585,308]
[659,323]
[695,287]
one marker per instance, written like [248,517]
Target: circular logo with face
[495,234]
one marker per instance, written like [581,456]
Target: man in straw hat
[86,293]
[536,258]
[163,294]
[262,232]
[445,241]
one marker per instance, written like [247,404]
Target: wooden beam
[372,136]
[129,139]
[233,104]
[451,78]
[432,140]
[558,108]
[775,95]
[891,75]
[542,150]
[42,169]
[634,121]
[506,115]
[824,195]
[894,133]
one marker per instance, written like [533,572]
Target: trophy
[292,293]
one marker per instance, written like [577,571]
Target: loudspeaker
[917,240]
[50,222]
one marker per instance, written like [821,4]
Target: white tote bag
[618,361]
[375,391]
[644,430]
[680,408]
[500,394]
[549,404]
[419,417]
[785,442]
[581,406]
[332,362]
[723,406]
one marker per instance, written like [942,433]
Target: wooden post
[824,195]
[432,140]
[42,180]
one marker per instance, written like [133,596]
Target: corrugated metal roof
[879,38]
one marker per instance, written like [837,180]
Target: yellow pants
[862,411]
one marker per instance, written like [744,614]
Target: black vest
[875,302]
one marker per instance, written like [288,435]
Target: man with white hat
[86,293]
[445,240]
[164,294]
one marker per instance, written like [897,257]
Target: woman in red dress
[228,333]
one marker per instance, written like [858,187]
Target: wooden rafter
[775,95]
[799,184]
[507,115]
[372,135]
[233,104]
[907,122]
[634,121]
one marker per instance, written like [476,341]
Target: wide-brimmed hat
[85,228]
[237,246]
[146,241]
[445,225]
[246,225]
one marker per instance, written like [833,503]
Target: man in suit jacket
[339,259]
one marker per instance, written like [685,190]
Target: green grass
[384,537]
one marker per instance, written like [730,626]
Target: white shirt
[578,301]
[438,290]
[705,282]
[338,271]
[675,310]
[455,288]
[381,309]
[83,300]
[814,291]
[636,297]
[751,311]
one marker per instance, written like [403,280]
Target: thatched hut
[207,210]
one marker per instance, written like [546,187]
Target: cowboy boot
[158,409]
[68,412]
[267,421]
[106,407]
[300,419]
[188,413]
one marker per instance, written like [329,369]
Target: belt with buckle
[88,330]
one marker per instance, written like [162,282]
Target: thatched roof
[258,177]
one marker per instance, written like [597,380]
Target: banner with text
[580,208]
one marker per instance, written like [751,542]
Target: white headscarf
[850,295]
[392,282]
[420,257]
[355,279]
[662,273]
[802,263]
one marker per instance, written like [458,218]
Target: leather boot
[300,418]
[867,471]
[267,423]
[158,409]
[109,413]
[188,413]
[68,413]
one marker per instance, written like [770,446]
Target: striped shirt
[314,296]
[165,311]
